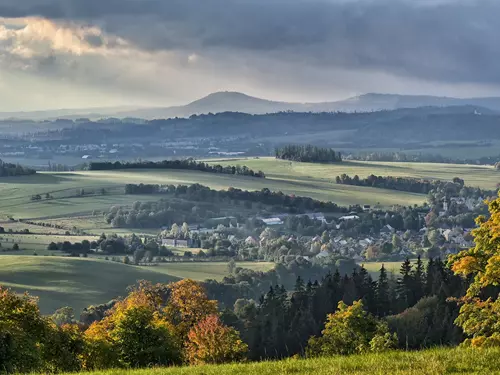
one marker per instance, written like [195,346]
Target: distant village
[333,239]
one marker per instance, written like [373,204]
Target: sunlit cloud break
[169,52]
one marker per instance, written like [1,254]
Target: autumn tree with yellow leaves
[187,305]
[480,316]
[161,325]
[210,341]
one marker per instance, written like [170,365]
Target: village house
[251,241]
[387,229]
[349,217]
[273,221]
[174,242]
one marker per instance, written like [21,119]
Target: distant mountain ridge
[227,101]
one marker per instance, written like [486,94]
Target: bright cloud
[168,52]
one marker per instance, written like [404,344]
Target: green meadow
[428,362]
[305,179]
[80,282]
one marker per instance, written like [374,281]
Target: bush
[351,330]
[52,246]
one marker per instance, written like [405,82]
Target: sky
[99,53]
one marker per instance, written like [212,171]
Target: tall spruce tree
[382,294]
[418,275]
[405,284]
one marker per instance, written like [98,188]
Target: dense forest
[9,169]
[429,130]
[187,164]
[281,324]
[308,154]
[433,124]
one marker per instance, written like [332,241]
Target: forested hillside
[403,125]
[450,134]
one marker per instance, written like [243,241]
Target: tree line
[10,169]
[308,154]
[197,192]
[420,158]
[199,203]
[186,164]
[281,324]
[454,188]
[410,184]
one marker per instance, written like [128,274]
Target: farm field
[38,242]
[207,270]
[80,282]
[16,192]
[76,200]
[441,361]
[75,282]
[474,175]
[314,180]
[391,267]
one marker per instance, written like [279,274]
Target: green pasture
[442,361]
[75,282]
[78,199]
[474,175]
[207,270]
[80,282]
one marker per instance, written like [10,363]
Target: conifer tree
[382,293]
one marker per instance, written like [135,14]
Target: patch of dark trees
[187,164]
[422,158]
[277,311]
[197,203]
[308,154]
[416,305]
[9,170]
[197,192]
[409,184]
[453,188]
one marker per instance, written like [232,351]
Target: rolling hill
[304,179]
[80,282]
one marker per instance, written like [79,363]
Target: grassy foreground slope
[435,362]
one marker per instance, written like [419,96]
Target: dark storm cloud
[444,41]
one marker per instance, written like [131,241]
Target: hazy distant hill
[239,102]
[215,103]
[73,114]
[374,102]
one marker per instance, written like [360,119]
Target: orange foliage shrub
[210,341]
